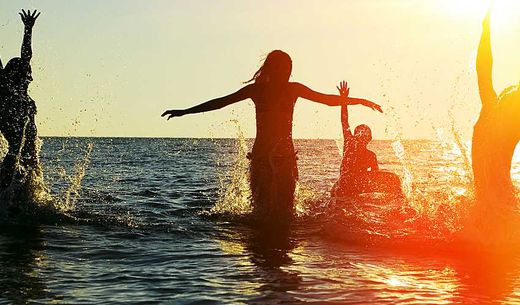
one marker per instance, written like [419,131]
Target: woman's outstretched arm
[28,20]
[214,104]
[488,95]
[331,99]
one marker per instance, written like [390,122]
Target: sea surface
[164,221]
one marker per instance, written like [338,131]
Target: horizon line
[211,138]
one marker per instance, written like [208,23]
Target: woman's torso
[356,160]
[493,147]
[274,104]
[15,107]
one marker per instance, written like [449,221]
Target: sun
[463,8]
[502,10]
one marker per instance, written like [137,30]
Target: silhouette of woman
[273,168]
[495,134]
[18,110]
[360,172]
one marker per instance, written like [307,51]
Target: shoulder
[298,89]
[248,91]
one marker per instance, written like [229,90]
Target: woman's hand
[29,18]
[173,113]
[373,106]
[344,92]
[343,89]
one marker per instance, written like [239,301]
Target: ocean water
[160,221]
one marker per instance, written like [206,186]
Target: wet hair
[13,66]
[277,66]
[364,133]
[16,70]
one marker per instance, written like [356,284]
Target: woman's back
[274,104]
[495,137]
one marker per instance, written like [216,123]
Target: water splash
[29,197]
[69,197]
[234,198]
[235,195]
[407,178]
[309,202]
[463,150]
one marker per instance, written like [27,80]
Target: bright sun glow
[503,11]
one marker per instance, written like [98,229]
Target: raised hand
[173,113]
[343,89]
[29,18]
[487,19]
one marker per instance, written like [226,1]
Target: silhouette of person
[359,171]
[18,110]
[496,133]
[273,168]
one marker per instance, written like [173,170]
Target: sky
[111,67]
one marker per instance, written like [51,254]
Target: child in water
[360,172]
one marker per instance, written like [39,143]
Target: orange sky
[109,68]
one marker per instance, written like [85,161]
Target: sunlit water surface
[148,231]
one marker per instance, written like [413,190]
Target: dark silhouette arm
[214,104]
[1,65]
[331,99]
[28,20]
[488,95]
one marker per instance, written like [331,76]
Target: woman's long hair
[277,67]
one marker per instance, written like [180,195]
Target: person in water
[273,168]
[18,110]
[495,135]
[359,171]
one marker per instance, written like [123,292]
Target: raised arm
[331,99]
[214,104]
[344,91]
[28,20]
[488,95]
[347,133]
